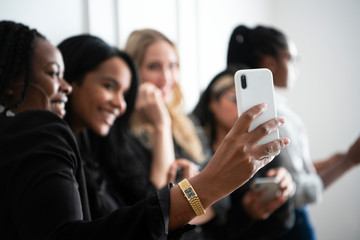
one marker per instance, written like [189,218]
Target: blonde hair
[183,129]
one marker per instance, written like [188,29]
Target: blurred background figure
[249,217]
[267,47]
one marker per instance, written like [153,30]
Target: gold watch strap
[192,197]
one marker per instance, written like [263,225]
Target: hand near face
[151,105]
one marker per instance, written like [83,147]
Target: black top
[123,161]
[43,191]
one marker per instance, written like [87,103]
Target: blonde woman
[160,122]
[159,103]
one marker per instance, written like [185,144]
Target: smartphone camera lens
[243,81]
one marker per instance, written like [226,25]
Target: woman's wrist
[162,127]
[349,162]
[206,189]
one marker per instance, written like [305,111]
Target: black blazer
[43,191]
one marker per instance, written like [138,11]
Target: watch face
[189,193]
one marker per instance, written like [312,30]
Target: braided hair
[16,53]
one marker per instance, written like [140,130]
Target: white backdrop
[326,32]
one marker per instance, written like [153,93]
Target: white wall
[55,19]
[327,94]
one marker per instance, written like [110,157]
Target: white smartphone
[253,87]
[269,185]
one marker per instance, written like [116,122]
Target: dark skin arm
[336,165]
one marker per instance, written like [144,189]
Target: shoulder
[37,133]
[39,124]
[33,118]
[37,117]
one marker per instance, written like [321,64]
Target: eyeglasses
[230,96]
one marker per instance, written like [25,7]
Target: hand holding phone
[253,87]
[270,186]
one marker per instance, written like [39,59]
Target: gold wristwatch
[192,197]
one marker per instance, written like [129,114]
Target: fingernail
[264,106]
[286,141]
[281,121]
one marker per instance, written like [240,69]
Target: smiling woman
[104,85]
[99,99]
[103,80]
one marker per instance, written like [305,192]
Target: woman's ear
[213,104]
[10,92]
[9,95]
[269,62]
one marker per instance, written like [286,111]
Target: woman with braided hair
[16,71]
[41,174]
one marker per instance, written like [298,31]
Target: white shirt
[296,157]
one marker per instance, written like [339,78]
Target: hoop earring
[7,113]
